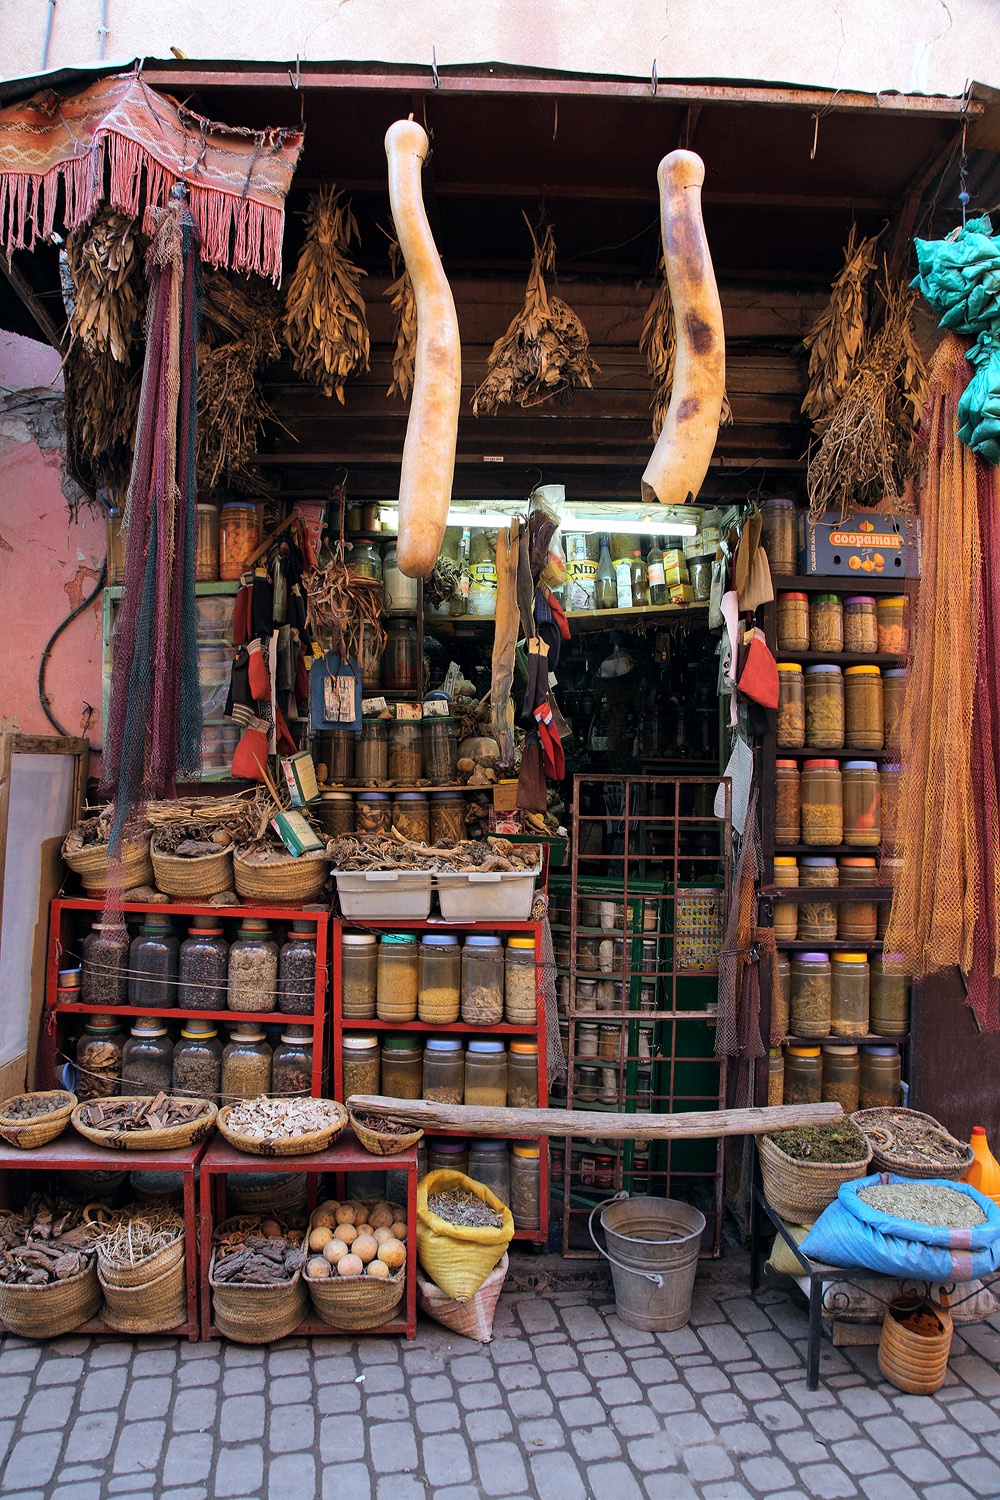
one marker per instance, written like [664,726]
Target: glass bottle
[197,1062]
[246,1063]
[152,981]
[203,966]
[292,1064]
[606,588]
[364,561]
[358,969]
[486,1074]
[359,1060]
[444,1070]
[238,537]
[459,604]
[522,1074]
[640,581]
[400,657]
[297,971]
[658,591]
[489,1163]
[371,754]
[850,994]
[482,980]
[253,967]
[439,978]
[525,1186]
[147,1059]
[99,1059]
[206,544]
[396,994]
[104,980]
[803,1075]
[402,1067]
[440,750]
[623,583]
[401,592]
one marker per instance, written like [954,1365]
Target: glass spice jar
[489,1163]
[881,1075]
[818,920]
[863,719]
[297,971]
[775,1077]
[893,626]
[402,1067]
[103,977]
[203,967]
[358,976]
[116,545]
[370,662]
[206,543]
[525,1186]
[371,753]
[401,657]
[803,1075]
[822,802]
[786,913]
[396,991]
[782,1016]
[522,1075]
[364,562]
[520,991]
[359,1062]
[889,1006]
[792,622]
[849,995]
[147,1059]
[889,781]
[238,537]
[790,729]
[447,1155]
[336,752]
[152,962]
[401,591]
[336,813]
[812,993]
[439,979]
[292,1064]
[246,1064]
[253,967]
[857,921]
[841,1076]
[411,816]
[862,797]
[197,1062]
[788,803]
[372,812]
[824,705]
[406,752]
[826,623]
[860,625]
[447,816]
[893,694]
[779,535]
[444,1070]
[99,1059]
[486,1074]
[482,980]
[440,746]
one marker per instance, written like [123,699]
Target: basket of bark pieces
[30,1120]
[48,1270]
[258,1295]
[382,1137]
[141,1268]
[912,1144]
[282,1127]
[191,867]
[145,1123]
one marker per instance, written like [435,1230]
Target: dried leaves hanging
[545,353]
[658,345]
[834,340]
[403,302]
[345,609]
[240,335]
[325,325]
[105,262]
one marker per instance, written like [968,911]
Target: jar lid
[827,598]
[821,765]
[356,1043]
[776,500]
[438,940]
[893,599]
[896,672]
[157,924]
[521,942]
[810,958]
[373,796]
[298,1035]
[444,1146]
[860,765]
[447,796]
[358,940]
[850,958]
[239,505]
[786,765]
[803,1051]
[531,1048]
[840,1049]
[789,666]
[446,1044]
[247,1031]
[337,797]
[785,860]
[881,1051]
[205,927]
[475,1146]
[484,1047]
[826,667]
[69,979]
[527,1151]
[855,860]
[860,599]
[402,1044]
[305,930]
[101,1023]
[893,766]
[152,1027]
[411,797]
[403,938]
[819,861]
[862,672]
[254,924]
[198,1029]
[480,940]
[799,598]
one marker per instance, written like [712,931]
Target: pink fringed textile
[120,140]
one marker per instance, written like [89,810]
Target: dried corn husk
[325,325]
[834,341]
[545,353]
[658,343]
[404,315]
[105,262]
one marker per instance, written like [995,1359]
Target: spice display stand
[71,1153]
[66,930]
[339,1161]
[536,1032]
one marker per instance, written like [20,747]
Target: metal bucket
[653,1246]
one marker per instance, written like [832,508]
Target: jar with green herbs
[197,1062]
[292,1064]
[889,1011]
[822,803]
[849,995]
[147,1059]
[775,1077]
[358,976]
[791,720]
[841,1075]
[203,967]
[803,1075]
[826,623]
[297,971]
[792,622]
[246,1063]
[812,994]
[253,967]
[359,1061]
[824,704]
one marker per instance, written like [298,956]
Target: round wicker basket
[800,1190]
[43,1312]
[186,1134]
[293,1145]
[900,1162]
[356,1303]
[113,1273]
[291,882]
[91,863]
[206,875]
[30,1133]
[250,1314]
[155,1306]
[382,1142]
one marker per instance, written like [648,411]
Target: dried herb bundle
[545,353]
[101,409]
[240,334]
[325,326]
[834,341]
[403,302]
[658,344]
[105,262]
[131,1235]
[442,583]
[345,608]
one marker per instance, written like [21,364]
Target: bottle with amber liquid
[640,581]
[654,570]
[606,589]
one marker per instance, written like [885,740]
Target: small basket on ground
[251,1314]
[27,1134]
[915,1343]
[371,1133]
[291,1145]
[286,882]
[800,1190]
[189,879]
[357,1303]
[44,1312]
[169,1138]
[90,862]
[154,1306]
[876,1125]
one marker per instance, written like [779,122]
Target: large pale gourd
[679,462]
[428,466]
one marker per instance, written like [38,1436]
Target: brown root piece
[325,324]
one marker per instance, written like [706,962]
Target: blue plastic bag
[853,1233]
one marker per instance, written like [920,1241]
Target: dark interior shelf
[842,658]
[858,1041]
[892,756]
[840,584]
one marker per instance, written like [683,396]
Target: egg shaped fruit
[350,1265]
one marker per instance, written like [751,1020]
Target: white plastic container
[384,894]
[486,896]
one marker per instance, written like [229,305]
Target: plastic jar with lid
[520,988]
[444,1070]
[99,1059]
[780,535]
[401,656]
[406,751]
[372,812]
[152,961]
[860,625]
[857,921]
[396,992]
[822,802]
[775,1076]
[792,622]
[889,1008]
[206,543]
[297,971]
[803,1075]
[482,980]
[358,976]
[586,1039]
[238,537]
[849,995]
[292,1064]
[103,977]
[448,1155]
[786,913]
[781,1014]
[525,1185]
[411,816]
[401,592]
[370,663]
[203,966]
[889,781]
[246,1063]
[841,1075]
[402,1067]
[336,813]
[335,750]
[371,753]
[440,750]
[486,1074]
[447,816]
[824,695]
[359,1062]
[893,626]
[894,681]
[826,623]
[812,993]
[147,1059]
[889,873]
[439,978]
[863,720]
[197,1063]
[253,967]
[788,803]
[790,726]
[68,988]
[489,1163]
[881,1074]
[862,799]
[522,1075]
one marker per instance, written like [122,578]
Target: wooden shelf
[839,583]
[822,851]
[891,757]
[834,945]
[810,894]
[165,1012]
[849,1041]
[845,658]
[502,1028]
[588,619]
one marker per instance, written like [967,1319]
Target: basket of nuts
[356,1270]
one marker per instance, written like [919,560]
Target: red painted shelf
[164,1013]
[458,1026]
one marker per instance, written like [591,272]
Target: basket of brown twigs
[90,860]
[145,1123]
[382,1137]
[141,1268]
[48,1273]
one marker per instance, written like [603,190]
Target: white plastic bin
[486,896]
[384,894]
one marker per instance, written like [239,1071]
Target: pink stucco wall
[48,562]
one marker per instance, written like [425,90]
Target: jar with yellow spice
[788,803]
[841,1075]
[822,802]
[824,703]
[779,535]
[826,623]
[860,625]
[791,720]
[893,625]
[786,913]
[775,1077]
[792,622]
[893,693]
[889,1004]
[863,720]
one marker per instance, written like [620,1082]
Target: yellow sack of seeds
[458,1258]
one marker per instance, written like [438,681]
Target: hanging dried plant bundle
[866,452]
[658,344]
[545,353]
[105,262]
[240,334]
[325,325]
[834,340]
[404,319]
[345,609]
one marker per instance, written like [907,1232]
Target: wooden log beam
[476,1119]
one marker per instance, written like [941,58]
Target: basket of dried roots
[325,325]
[141,1268]
[191,866]
[912,1144]
[48,1270]
[255,1277]
[282,1127]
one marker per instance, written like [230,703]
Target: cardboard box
[865,544]
[505,796]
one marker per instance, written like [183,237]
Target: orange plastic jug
[984,1173]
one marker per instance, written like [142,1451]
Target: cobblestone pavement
[566,1403]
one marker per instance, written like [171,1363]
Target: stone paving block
[609,1363]
[437,1416]
[778,1416]
[951,1491]
[194,1411]
[91,1436]
[291,1477]
[681,1341]
[242,1382]
[628,1338]
[159,1361]
[430,1388]
[619,1391]
[391,1408]
[974,1370]
[487,1426]
[188,1458]
[139,1447]
[862,1402]
[563,1383]
[288,1362]
[704,1379]
[887,1487]
[612,1482]
[705,1310]
[975,1416]
[242,1418]
[519,1377]
[510,1352]
[341,1439]
[239,1471]
[334,1370]
[669,1485]
[833,1425]
[500,1468]
[744,1439]
[48,1409]
[582,1411]
[859,1456]
[531,1403]
[982,1475]
[32,1461]
[482,1394]
[417,1361]
[543,1432]
[670,1398]
[470,1369]
[583,1323]
[948,1440]
[199,1373]
[767,1474]
[774,1351]
[724,1406]
[102,1390]
[346,1479]
[801,1448]
[634,1421]
[827,1482]
[446,1459]
[724,1343]
[706,1462]
[80,1491]
[556,1474]
[592,1443]
[648,1454]
[19,1358]
[537,1316]
[14,1393]
[757,1387]
[291,1429]
[148,1398]
[288,1389]
[745,1315]
[393,1447]
[331,1400]
[652,1369]
[382,1379]
[689,1430]
[556,1357]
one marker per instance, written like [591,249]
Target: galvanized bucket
[653,1246]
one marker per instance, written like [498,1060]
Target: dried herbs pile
[122,1116]
[403,302]
[240,336]
[465,1209]
[345,608]
[834,340]
[133,1234]
[823,1143]
[33,1106]
[901,1133]
[924,1203]
[381,851]
[325,325]
[46,1242]
[260,1254]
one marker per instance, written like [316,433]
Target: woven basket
[189,878]
[382,1143]
[276,1196]
[297,1145]
[800,1190]
[257,1314]
[30,1133]
[357,1303]
[915,1362]
[143,1271]
[291,883]
[43,1312]
[908,1166]
[186,1134]
[153,1307]
[91,864]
